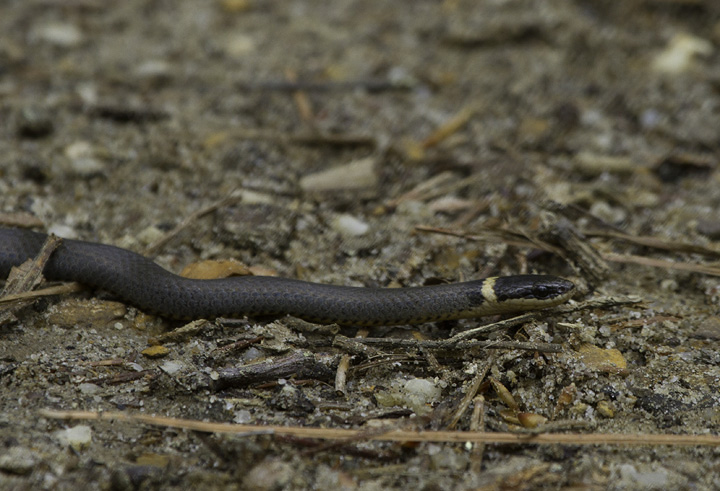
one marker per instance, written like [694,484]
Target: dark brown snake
[144,284]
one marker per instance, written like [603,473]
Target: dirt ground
[369,143]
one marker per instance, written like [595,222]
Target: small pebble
[709,228]
[592,165]
[34,123]
[707,329]
[601,360]
[78,437]
[82,159]
[18,460]
[358,174]
[418,394]
[350,226]
[239,44]
[269,474]
[172,367]
[89,389]
[680,52]
[605,212]
[605,409]
[531,420]
[155,351]
[154,70]
[642,476]
[59,34]
[242,417]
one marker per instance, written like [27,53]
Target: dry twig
[392,434]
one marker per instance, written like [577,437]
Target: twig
[153,248]
[496,326]
[24,278]
[237,345]
[449,127]
[655,243]
[393,434]
[344,86]
[660,263]
[477,423]
[573,247]
[353,347]
[44,292]
[451,344]
[341,375]
[182,333]
[302,102]
[470,393]
[508,237]
[300,364]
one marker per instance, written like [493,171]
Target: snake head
[550,290]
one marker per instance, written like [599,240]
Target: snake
[144,284]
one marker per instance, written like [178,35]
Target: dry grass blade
[392,434]
[153,248]
[656,243]
[661,263]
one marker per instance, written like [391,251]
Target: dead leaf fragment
[601,360]
[213,269]
[155,351]
[80,312]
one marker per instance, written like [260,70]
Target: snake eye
[541,291]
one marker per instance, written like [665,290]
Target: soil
[333,142]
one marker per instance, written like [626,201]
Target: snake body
[142,283]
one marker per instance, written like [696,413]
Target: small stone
[605,409]
[350,226]
[78,437]
[172,367]
[592,165]
[153,459]
[680,52]
[89,389]
[644,476]
[82,159]
[531,420]
[155,351]
[18,460]
[269,474]
[604,211]
[238,45]
[149,235]
[154,70]
[709,228]
[358,174]
[242,417]
[601,360]
[708,329]
[235,6]
[418,394]
[59,34]
[34,123]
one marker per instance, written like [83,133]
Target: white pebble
[679,53]
[358,174]
[172,367]
[89,389]
[59,34]
[82,158]
[348,225]
[78,437]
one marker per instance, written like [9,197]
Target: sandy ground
[329,141]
